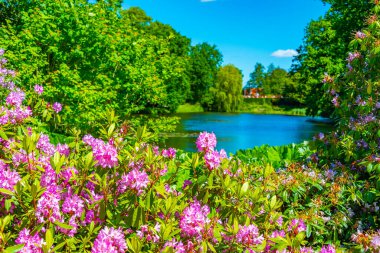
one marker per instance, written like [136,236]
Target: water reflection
[244,130]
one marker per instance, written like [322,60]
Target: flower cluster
[32,243]
[297,226]
[135,180]
[57,107]
[38,89]
[48,206]
[206,142]
[249,235]
[110,240]
[194,220]
[104,153]
[8,177]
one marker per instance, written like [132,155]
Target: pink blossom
[177,246]
[328,249]
[375,242]
[206,142]
[104,153]
[38,89]
[194,219]
[48,206]
[306,250]
[44,145]
[212,160]
[57,107]
[170,152]
[335,100]
[32,243]
[8,177]
[249,235]
[360,35]
[49,177]
[353,56]
[15,98]
[73,205]
[67,174]
[135,180]
[63,149]
[297,226]
[110,240]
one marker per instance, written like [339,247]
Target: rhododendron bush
[114,191]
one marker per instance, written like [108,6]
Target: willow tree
[226,93]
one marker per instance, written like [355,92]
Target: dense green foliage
[256,78]
[273,81]
[96,56]
[325,49]
[205,62]
[227,91]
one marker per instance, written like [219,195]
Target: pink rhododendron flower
[57,107]
[170,152]
[360,35]
[249,235]
[297,226]
[328,249]
[212,160]
[177,246]
[44,145]
[38,89]
[194,219]
[353,56]
[8,177]
[48,206]
[32,243]
[104,153]
[15,98]
[135,180]
[110,240]
[375,242]
[63,149]
[206,142]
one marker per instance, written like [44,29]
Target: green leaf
[63,225]
[244,188]
[59,246]
[273,202]
[49,238]
[7,192]
[3,135]
[15,248]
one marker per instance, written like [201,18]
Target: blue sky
[245,31]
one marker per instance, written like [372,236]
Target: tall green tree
[325,48]
[227,91]
[257,76]
[95,56]
[275,81]
[205,60]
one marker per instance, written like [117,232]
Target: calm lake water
[243,130]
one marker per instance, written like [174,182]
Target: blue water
[236,131]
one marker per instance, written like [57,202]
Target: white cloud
[207,1]
[284,53]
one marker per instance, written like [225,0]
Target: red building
[253,92]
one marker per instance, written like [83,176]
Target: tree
[325,48]
[205,60]
[276,80]
[95,56]
[257,76]
[227,91]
